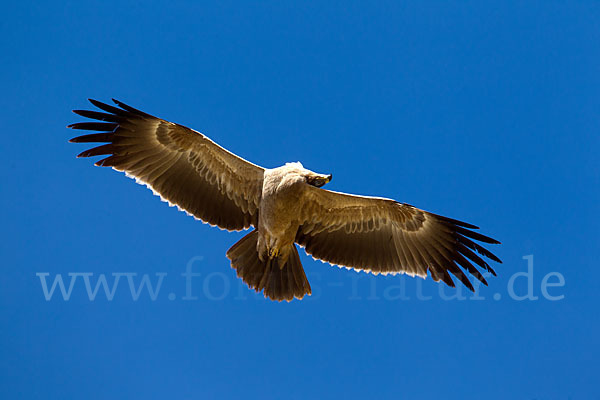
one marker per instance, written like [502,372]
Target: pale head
[312,178]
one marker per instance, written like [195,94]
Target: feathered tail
[279,282]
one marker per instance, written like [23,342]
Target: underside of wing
[182,166]
[383,236]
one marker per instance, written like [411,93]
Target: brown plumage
[285,205]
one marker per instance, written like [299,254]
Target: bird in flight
[285,206]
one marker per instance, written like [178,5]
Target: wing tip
[455,222]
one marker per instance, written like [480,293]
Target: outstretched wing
[383,236]
[181,165]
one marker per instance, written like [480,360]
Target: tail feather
[278,282]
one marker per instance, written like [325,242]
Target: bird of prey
[284,205]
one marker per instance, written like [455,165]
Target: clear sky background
[482,111]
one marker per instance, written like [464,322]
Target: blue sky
[481,111]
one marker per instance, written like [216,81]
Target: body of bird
[280,208]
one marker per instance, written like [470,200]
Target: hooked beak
[320,180]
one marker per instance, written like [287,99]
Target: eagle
[285,206]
